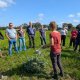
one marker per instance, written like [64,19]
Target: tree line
[37,25]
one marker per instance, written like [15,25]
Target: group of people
[13,35]
[57,40]
[31,34]
[74,37]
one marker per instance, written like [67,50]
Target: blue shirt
[11,33]
[30,31]
[42,32]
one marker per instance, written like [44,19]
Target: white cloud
[76,21]
[71,16]
[10,1]
[3,4]
[40,16]
[78,14]
[6,3]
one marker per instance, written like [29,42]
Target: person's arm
[24,33]
[76,33]
[7,36]
[45,33]
[52,42]
[40,32]
[66,31]
[34,31]
[16,34]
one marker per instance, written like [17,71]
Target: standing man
[42,35]
[31,35]
[55,54]
[63,36]
[11,35]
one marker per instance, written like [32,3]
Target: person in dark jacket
[77,40]
[42,35]
[31,35]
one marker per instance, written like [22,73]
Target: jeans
[63,39]
[31,41]
[72,41]
[22,45]
[11,43]
[77,44]
[43,40]
[56,60]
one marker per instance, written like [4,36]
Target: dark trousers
[56,60]
[72,41]
[31,41]
[43,40]
[77,44]
[63,39]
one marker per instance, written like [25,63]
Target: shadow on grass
[20,71]
[69,51]
[71,54]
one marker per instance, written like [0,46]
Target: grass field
[9,66]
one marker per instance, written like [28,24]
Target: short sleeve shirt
[57,42]
[11,33]
[64,32]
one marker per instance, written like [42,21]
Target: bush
[34,65]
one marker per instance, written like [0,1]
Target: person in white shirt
[63,36]
[11,35]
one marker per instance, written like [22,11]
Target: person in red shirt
[74,33]
[55,53]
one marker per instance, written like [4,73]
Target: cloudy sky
[23,11]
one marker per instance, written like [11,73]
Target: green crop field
[12,66]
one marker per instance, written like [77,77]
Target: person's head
[63,28]
[79,27]
[30,24]
[42,26]
[10,25]
[20,27]
[73,28]
[53,25]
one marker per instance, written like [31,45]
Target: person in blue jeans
[42,35]
[11,35]
[21,35]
